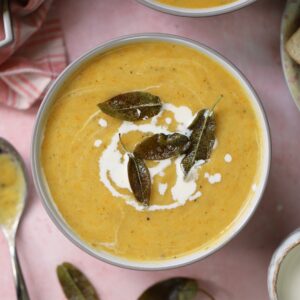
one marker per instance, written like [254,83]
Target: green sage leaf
[162,146]
[132,106]
[202,138]
[139,177]
[202,141]
[178,288]
[75,284]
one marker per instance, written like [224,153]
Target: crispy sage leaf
[132,106]
[202,139]
[139,177]
[162,146]
[178,288]
[74,283]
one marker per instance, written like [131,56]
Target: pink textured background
[250,38]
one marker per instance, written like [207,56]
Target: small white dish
[284,269]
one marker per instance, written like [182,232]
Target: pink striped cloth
[35,58]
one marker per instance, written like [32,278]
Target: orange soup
[86,168]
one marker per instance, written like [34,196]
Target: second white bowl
[196,12]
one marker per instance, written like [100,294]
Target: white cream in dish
[288,280]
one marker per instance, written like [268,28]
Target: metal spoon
[10,232]
[7,24]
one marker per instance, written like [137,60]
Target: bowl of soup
[81,169]
[196,8]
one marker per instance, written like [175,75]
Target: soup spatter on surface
[196,3]
[86,168]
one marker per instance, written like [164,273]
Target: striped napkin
[35,58]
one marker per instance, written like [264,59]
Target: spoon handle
[21,290]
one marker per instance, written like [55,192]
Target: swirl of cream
[113,164]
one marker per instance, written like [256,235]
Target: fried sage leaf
[132,106]
[178,288]
[75,284]
[202,139]
[162,146]
[139,177]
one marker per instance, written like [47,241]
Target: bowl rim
[197,12]
[49,204]
[287,245]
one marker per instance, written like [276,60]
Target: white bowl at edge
[196,12]
[278,257]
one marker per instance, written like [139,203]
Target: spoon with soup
[13,195]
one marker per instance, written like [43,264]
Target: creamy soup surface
[196,3]
[86,169]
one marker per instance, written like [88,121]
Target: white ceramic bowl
[41,183]
[196,12]
[292,241]
[291,70]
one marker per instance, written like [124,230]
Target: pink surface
[250,38]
